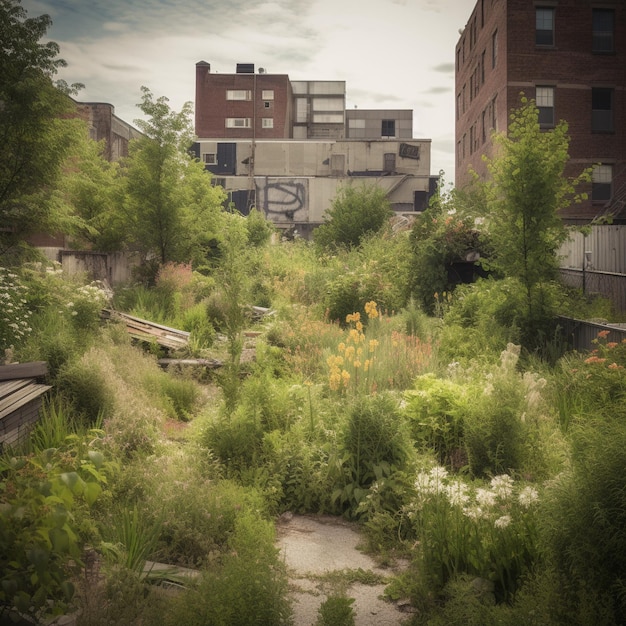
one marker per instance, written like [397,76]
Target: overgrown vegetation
[492,463]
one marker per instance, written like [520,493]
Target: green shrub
[437,408]
[247,586]
[336,610]
[374,445]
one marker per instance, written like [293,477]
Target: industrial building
[286,147]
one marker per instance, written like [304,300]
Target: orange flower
[615,366]
[611,344]
[603,334]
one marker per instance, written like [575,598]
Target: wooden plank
[210,363]
[19,399]
[144,330]
[23,370]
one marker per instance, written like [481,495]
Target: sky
[393,54]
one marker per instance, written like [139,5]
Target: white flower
[473,512]
[485,498]
[502,522]
[438,473]
[457,493]
[502,485]
[528,496]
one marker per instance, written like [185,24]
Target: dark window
[602,183]
[494,49]
[389,162]
[603,30]
[388,128]
[601,110]
[544,33]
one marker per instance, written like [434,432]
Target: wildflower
[341,347]
[611,344]
[373,344]
[359,326]
[356,364]
[594,359]
[615,366]
[502,522]
[473,512]
[485,498]
[528,496]
[457,493]
[345,376]
[438,473]
[502,485]
[603,334]
[371,309]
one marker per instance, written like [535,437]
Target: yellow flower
[371,309]
[341,347]
[359,326]
[356,364]
[345,376]
[373,344]
[350,352]
[366,365]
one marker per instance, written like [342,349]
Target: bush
[355,213]
[248,585]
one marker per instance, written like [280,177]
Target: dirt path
[316,546]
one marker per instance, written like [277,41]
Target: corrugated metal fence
[596,262]
[580,334]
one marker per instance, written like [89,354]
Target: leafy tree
[523,197]
[355,212]
[170,205]
[94,187]
[36,127]
[441,236]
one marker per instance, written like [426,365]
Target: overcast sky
[396,54]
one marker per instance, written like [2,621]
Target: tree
[523,197]
[355,213]
[94,187]
[36,127]
[170,205]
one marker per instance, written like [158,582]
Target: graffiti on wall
[284,199]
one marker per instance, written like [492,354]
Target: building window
[267,122]
[602,183]
[458,106]
[484,127]
[209,158]
[267,94]
[601,110]
[494,113]
[238,94]
[544,99]
[482,67]
[494,50]
[267,105]
[603,30]
[388,128]
[237,122]
[544,33]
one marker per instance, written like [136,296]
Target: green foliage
[584,522]
[248,585]
[489,532]
[36,139]
[14,319]
[336,610]
[522,201]
[355,213]
[374,446]
[41,497]
[437,408]
[171,209]
[440,237]
[259,229]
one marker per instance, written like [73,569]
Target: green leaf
[96,457]
[60,540]
[91,493]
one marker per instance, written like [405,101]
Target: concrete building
[567,55]
[286,147]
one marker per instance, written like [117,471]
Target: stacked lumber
[145,330]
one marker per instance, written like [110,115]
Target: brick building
[567,55]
